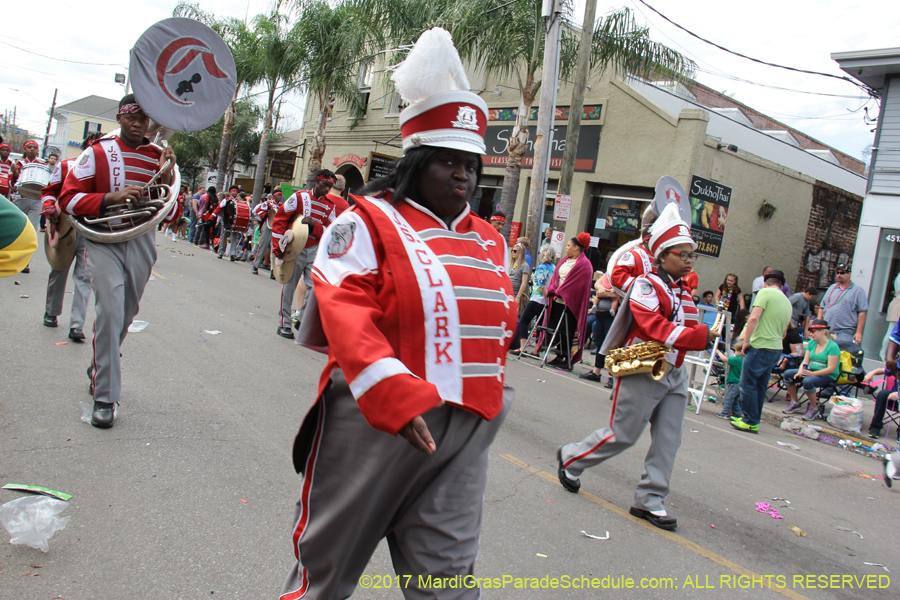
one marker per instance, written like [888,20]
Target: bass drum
[241,216]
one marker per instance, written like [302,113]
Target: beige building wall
[639,143]
[75,131]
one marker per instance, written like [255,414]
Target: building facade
[876,260]
[774,177]
[76,119]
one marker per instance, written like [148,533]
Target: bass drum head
[183,74]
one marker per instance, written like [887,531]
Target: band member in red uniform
[340,205]
[113,171]
[317,211]
[396,445]
[263,210]
[658,308]
[56,284]
[30,206]
[172,223]
[7,177]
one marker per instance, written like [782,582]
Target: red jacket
[50,193]
[652,302]
[302,204]
[631,265]
[431,308]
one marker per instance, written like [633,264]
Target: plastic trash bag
[847,414]
[32,520]
[137,326]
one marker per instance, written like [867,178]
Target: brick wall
[830,235]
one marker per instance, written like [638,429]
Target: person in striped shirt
[113,171]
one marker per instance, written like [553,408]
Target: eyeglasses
[685,256]
[842,272]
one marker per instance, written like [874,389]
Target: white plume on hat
[432,66]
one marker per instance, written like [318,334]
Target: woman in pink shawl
[568,294]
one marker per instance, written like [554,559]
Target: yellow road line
[157,274]
[687,544]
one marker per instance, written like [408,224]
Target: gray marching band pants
[361,485]
[226,236]
[302,268]
[31,208]
[56,288]
[119,272]
[639,400]
[263,245]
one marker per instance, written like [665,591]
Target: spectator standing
[539,280]
[602,311]
[518,274]
[569,292]
[800,312]
[759,283]
[844,306]
[763,335]
[523,241]
[729,294]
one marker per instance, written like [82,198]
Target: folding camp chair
[538,332]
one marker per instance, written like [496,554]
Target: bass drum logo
[183,74]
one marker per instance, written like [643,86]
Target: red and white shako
[183,74]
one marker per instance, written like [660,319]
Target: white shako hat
[442,111]
[669,230]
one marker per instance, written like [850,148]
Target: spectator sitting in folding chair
[882,397]
[820,368]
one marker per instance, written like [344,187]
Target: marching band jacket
[303,204]
[631,265]
[50,193]
[665,314]
[432,310]
[107,165]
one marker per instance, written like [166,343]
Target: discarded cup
[137,326]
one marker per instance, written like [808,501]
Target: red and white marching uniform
[633,264]
[7,177]
[303,204]
[50,193]
[119,271]
[176,212]
[426,300]
[652,303]
[340,205]
[106,166]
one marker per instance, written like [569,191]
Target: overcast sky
[798,33]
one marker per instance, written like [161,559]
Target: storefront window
[884,295]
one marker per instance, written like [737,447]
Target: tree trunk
[518,145]
[317,147]
[263,156]
[225,146]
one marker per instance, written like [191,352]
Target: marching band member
[263,210]
[29,206]
[340,205]
[56,284]
[658,308]
[317,212]
[113,171]
[422,282]
[225,213]
[172,223]
[7,176]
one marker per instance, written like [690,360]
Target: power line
[77,62]
[866,88]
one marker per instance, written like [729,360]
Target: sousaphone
[183,76]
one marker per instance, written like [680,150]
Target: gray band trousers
[56,288]
[302,268]
[639,400]
[264,244]
[361,485]
[119,273]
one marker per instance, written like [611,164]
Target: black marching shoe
[591,376]
[286,332]
[571,485]
[76,335]
[254,270]
[668,523]
[50,321]
[271,275]
[103,415]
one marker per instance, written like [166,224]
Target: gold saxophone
[646,357]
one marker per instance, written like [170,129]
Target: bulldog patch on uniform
[341,239]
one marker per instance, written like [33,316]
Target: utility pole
[577,104]
[541,167]
[47,133]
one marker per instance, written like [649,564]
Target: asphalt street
[191,494]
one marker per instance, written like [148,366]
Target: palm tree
[279,60]
[507,39]
[242,43]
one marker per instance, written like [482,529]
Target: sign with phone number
[709,243]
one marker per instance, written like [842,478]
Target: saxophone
[646,357]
